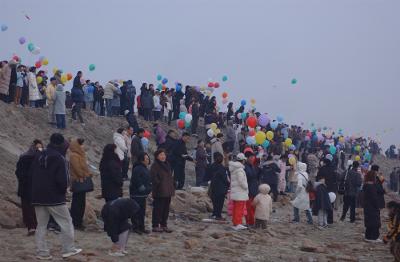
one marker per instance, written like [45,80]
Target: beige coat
[263,203]
[50,93]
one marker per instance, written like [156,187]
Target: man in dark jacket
[137,146]
[132,121]
[196,116]
[328,173]
[352,184]
[146,100]
[77,80]
[269,174]
[130,95]
[49,187]
[179,157]
[78,98]
[252,182]
[379,186]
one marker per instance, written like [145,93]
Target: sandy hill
[192,239]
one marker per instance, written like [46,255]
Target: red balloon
[210,84]
[224,95]
[16,58]
[147,134]
[216,84]
[252,132]
[38,64]
[181,123]
[251,122]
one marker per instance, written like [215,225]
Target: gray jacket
[59,100]
[352,183]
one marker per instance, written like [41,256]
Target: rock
[10,215]
[217,235]
[190,243]
[342,258]
[90,216]
[191,234]
[308,246]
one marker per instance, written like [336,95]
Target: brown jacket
[77,160]
[162,179]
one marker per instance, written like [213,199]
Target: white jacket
[263,203]
[157,105]
[302,200]
[121,149]
[239,187]
[34,93]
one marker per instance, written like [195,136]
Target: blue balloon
[279,119]
[265,144]
[243,102]
[182,115]
[250,140]
[145,141]
[178,87]
[292,147]
[274,124]
[164,81]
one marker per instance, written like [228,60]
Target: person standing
[352,184]
[109,90]
[157,106]
[282,175]
[50,94]
[24,176]
[139,189]
[302,199]
[372,219]
[216,145]
[201,163]
[327,172]
[49,188]
[263,205]
[130,96]
[79,171]
[122,151]
[137,146]
[230,136]
[147,103]
[19,86]
[322,203]
[162,191]
[196,116]
[180,155]
[111,174]
[59,106]
[270,175]
[253,183]
[78,98]
[34,94]
[239,191]
[5,75]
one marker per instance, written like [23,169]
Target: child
[393,236]
[115,215]
[322,203]
[263,204]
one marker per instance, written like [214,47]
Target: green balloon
[294,81]
[92,67]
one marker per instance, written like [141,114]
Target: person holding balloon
[34,94]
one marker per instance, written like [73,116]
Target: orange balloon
[224,95]
[69,76]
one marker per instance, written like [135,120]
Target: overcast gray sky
[345,54]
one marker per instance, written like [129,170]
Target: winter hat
[264,189]
[329,157]
[240,157]
[57,139]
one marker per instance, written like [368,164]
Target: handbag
[82,187]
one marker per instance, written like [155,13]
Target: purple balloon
[22,40]
[263,120]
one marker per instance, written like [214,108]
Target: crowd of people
[244,156]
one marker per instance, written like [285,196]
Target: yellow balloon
[55,69]
[217,131]
[341,140]
[260,137]
[214,127]
[64,78]
[45,61]
[252,101]
[288,142]
[39,79]
[270,135]
[292,161]
[357,158]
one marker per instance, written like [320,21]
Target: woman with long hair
[372,219]
[111,174]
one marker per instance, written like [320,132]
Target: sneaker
[71,253]
[239,227]
[116,253]
[124,252]
[41,257]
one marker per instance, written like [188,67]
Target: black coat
[111,179]
[352,183]
[372,214]
[178,149]
[322,201]
[115,215]
[270,174]
[381,193]
[252,179]
[168,146]
[49,178]
[330,176]
[140,181]
[77,95]
[24,174]
[132,121]
[218,175]
[77,82]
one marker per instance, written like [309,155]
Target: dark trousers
[78,208]
[179,176]
[195,123]
[156,115]
[349,202]
[76,110]
[28,214]
[125,167]
[138,219]
[200,173]
[372,233]
[147,114]
[330,215]
[60,121]
[274,191]
[218,204]
[160,211]
[170,117]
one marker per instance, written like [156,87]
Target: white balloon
[188,118]
[332,197]
[36,51]
[210,132]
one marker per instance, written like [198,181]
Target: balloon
[211,84]
[146,134]
[332,149]
[250,140]
[180,123]
[187,124]
[252,132]
[279,119]
[55,69]
[92,67]
[22,40]
[332,197]
[145,141]
[31,47]
[213,126]
[38,64]
[357,158]
[263,120]
[288,142]
[182,115]
[357,148]
[224,78]
[216,85]
[270,135]
[64,78]
[45,62]
[260,137]
[36,51]
[274,124]
[39,79]
[164,81]
[251,121]
[188,118]
[294,81]
[159,77]
[69,76]
[159,86]
[243,102]
[265,144]
[4,28]
[243,115]
[178,88]
[292,161]
[292,147]
[217,131]
[210,132]
[252,101]
[224,95]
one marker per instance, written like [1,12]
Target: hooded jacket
[218,175]
[252,176]
[352,183]
[302,199]
[34,93]
[239,187]
[216,146]
[270,173]
[79,169]
[121,149]
[111,178]
[59,97]
[140,185]
[263,203]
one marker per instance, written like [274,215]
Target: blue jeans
[109,107]
[296,214]
[60,120]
